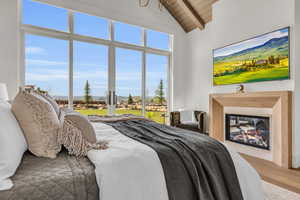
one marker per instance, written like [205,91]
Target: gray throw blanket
[196,167]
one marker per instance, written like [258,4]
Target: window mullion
[71,55]
[111,70]
[111,30]
[144,83]
[144,37]
[144,42]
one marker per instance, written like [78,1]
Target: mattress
[66,177]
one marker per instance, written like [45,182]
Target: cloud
[99,86]
[103,75]
[32,50]
[42,62]
[249,43]
[47,75]
[129,76]
[37,62]
[90,75]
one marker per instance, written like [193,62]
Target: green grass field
[155,116]
[278,73]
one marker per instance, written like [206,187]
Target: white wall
[233,21]
[9,45]
[297,85]
[126,11]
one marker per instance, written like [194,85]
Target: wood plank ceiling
[190,14]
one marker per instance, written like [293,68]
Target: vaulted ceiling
[190,14]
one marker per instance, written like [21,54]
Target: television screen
[262,58]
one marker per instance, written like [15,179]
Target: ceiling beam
[192,13]
[166,4]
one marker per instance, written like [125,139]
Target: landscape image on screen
[263,58]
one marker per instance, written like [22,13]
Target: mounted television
[262,58]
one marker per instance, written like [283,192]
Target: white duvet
[130,170]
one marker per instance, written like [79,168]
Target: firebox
[248,130]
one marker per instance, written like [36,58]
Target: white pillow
[12,145]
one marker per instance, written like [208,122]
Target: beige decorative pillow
[78,135]
[39,122]
[52,102]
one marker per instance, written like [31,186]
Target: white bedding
[129,170]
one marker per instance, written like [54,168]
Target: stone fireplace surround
[276,104]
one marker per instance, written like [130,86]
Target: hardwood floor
[285,178]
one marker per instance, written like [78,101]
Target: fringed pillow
[78,135]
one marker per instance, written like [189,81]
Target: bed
[65,178]
[127,170]
[133,168]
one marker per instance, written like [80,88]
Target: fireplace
[248,130]
[275,104]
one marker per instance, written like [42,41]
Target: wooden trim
[281,104]
[216,116]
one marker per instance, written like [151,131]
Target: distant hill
[275,46]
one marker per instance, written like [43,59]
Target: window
[46,66]
[91,26]
[127,33]
[45,16]
[98,66]
[90,73]
[158,40]
[156,87]
[129,81]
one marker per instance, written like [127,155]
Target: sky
[234,48]
[47,58]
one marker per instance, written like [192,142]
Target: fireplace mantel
[281,104]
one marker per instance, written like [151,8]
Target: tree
[160,93]
[271,60]
[130,99]
[87,92]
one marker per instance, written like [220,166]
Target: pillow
[78,135]
[83,125]
[39,122]
[52,102]
[12,145]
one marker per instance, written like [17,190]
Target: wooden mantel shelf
[281,104]
[251,99]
